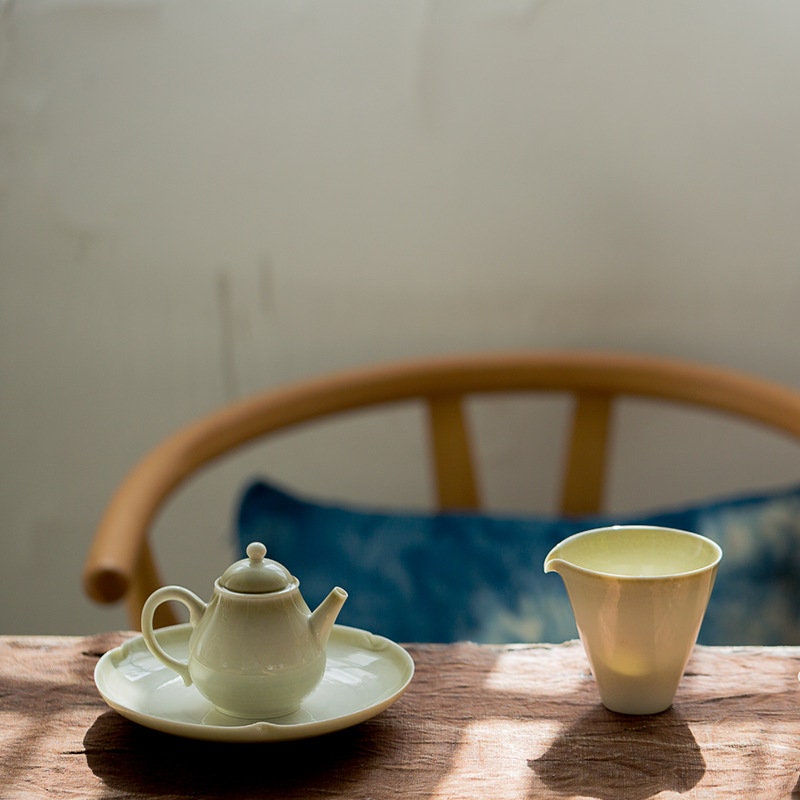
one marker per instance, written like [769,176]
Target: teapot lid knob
[256,551]
[256,574]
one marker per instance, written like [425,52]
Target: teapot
[255,649]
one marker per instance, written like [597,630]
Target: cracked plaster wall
[201,199]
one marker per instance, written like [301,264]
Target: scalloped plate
[364,675]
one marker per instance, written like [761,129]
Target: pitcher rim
[670,576]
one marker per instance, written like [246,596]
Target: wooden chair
[120,563]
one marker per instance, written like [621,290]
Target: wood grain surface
[478,721]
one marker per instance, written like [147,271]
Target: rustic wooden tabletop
[477,721]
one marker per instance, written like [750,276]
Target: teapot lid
[256,574]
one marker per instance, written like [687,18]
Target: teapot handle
[196,609]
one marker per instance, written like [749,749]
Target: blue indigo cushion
[442,577]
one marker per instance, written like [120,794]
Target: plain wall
[202,199]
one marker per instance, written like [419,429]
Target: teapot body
[255,655]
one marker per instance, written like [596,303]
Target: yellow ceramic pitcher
[639,594]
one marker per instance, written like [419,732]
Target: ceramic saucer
[364,675]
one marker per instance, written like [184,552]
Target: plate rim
[257,730]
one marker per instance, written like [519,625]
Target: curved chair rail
[120,563]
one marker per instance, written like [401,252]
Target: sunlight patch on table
[491,748]
[510,675]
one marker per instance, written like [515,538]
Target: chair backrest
[120,562]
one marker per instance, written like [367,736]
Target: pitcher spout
[325,614]
[555,564]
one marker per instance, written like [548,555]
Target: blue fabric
[455,576]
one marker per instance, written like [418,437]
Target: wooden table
[477,721]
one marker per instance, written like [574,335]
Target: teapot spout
[325,614]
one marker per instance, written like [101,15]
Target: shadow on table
[607,756]
[138,761]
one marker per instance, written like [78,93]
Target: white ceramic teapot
[255,650]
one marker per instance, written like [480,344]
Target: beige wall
[201,199]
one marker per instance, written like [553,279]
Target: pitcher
[639,594]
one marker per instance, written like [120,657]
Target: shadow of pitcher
[612,756]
